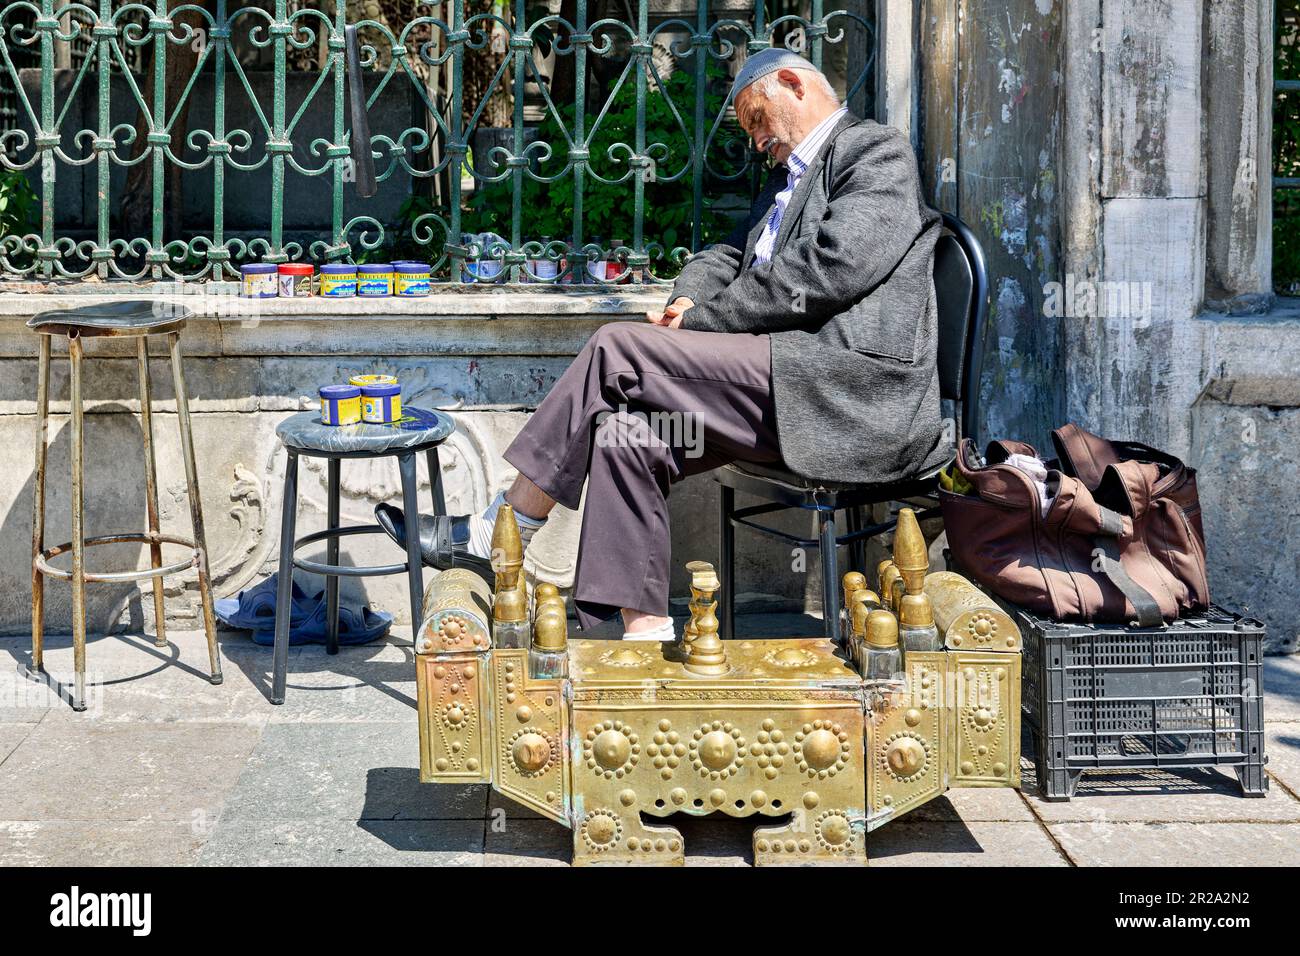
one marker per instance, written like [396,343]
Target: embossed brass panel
[907,739]
[529,755]
[779,733]
[986,719]
[455,726]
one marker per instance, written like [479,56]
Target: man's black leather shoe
[443,539]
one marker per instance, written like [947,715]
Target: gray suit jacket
[848,302]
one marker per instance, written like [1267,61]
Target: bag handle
[1083,454]
[1106,553]
[1077,510]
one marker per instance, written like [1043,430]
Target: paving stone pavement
[167,769]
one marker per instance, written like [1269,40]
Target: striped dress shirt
[801,157]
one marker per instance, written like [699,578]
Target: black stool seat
[420,428]
[132,317]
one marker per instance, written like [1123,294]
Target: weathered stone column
[1134,243]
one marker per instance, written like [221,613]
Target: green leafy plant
[18,202]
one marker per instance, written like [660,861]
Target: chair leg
[38,503]
[284,590]
[196,506]
[727,558]
[151,487]
[78,535]
[332,558]
[858,548]
[414,563]
[435,482]
[830,575]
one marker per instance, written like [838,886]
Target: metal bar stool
[304,434]
[130,318]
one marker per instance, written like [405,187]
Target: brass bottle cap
[544,590]
[853,581]
[551,630]
[914,611]
[910,554]
[882,629]
[554,600]
[880,575]
[891,575]
[861,610]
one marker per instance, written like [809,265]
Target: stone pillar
[1134,244]
[896,64]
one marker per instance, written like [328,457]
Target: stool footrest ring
[118,577]
[337,570]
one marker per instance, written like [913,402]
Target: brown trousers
[640,408]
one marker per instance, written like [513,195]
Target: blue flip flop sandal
[356,626]
[361,625]
[302,630]
[255,607]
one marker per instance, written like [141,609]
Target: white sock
[481,525]
[664,632]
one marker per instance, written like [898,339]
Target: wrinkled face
[770,122]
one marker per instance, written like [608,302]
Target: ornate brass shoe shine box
[639,730]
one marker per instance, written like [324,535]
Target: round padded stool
[304,434]
[140,319]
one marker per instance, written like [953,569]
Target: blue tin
[412,278]
[381,404]
[340,404]
[375,279]
[338,280]
[260,280]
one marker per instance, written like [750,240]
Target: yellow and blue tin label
[381,404]
[375,280]
[340,404]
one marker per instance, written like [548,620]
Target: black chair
[962,288]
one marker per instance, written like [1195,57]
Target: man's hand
[671,317]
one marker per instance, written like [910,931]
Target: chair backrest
[961,286]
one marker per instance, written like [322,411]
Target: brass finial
[509,604]
[881,568]
[863,598]
[705,653]
[861,610]
[551,628]
[853,581]
[543,590]
[910,554]
[913,561]
[890,582]
[882,629]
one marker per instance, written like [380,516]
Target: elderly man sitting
[806,338]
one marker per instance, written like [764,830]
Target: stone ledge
[506,321]
[536,301]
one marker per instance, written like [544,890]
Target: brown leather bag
[1122,540]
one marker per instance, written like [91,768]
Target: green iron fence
[643,141]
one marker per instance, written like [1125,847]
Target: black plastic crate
[1102,697]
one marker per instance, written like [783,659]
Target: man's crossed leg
[640,408]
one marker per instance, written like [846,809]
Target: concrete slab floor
[167,769]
